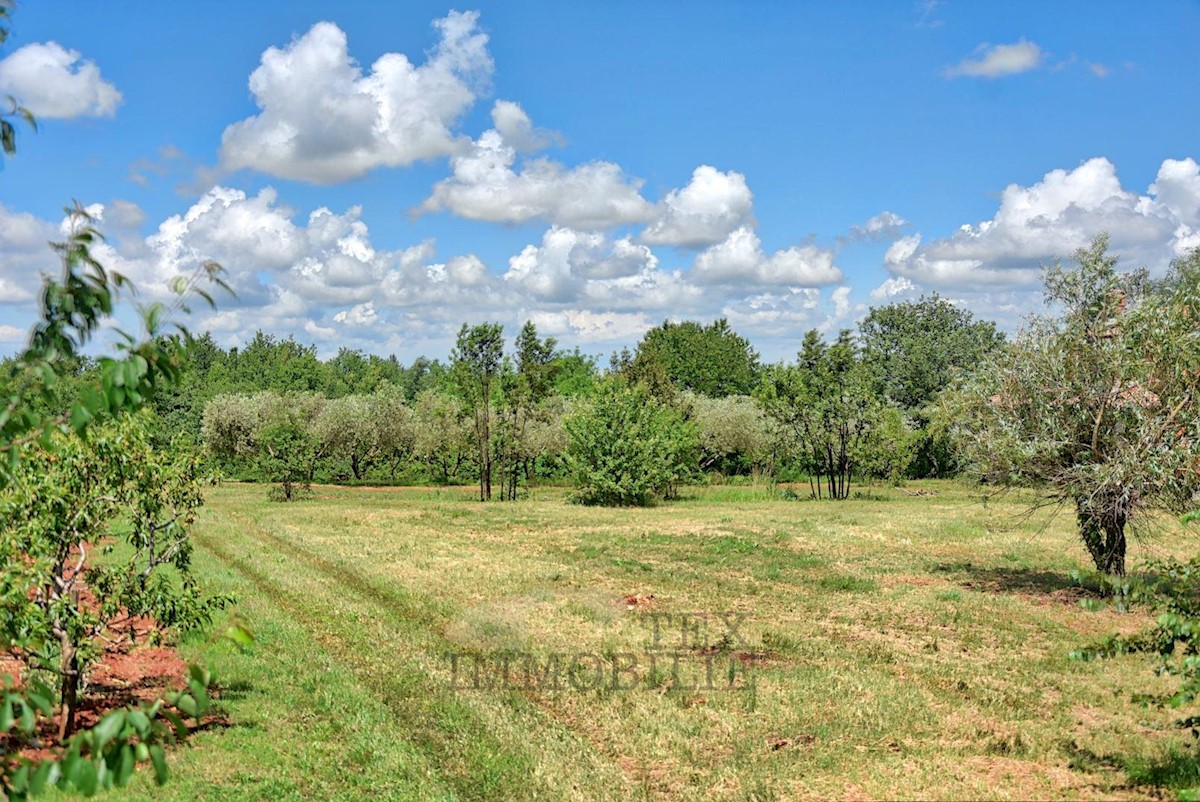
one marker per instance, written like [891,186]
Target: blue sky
[373,174]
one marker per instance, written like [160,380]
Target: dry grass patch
[909,646]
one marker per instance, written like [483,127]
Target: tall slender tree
[475,364]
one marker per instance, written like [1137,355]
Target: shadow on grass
[1003,579]
[1178,770]
[235,691]
[1008,580]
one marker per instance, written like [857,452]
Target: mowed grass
[898,647]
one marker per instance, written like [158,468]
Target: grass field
[899,646]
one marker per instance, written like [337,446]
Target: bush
[286,452]
[626,448]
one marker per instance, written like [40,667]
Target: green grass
[915,648]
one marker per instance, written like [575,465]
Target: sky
[372,175]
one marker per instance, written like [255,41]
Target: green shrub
[627,448]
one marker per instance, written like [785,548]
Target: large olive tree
[1094,406]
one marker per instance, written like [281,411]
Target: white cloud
[892,287]
[1051,219]
[740,259]
[996,61]
[515,127]
[566,260]
[360,315]
[1099,70]
[53,82]
[12,334]
[484,186]
[587,326]
[704,212]
[125,214]
[840,298]
[789,312]
[579,267]
[322,120]
[885,225]
[26,254]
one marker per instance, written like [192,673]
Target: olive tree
[442,433]
[1095,406]
[395,426]
[346,429]
[734,433]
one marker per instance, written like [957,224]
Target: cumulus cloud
[885,225]
[893,287]
[1051,219]
[360,315]
[789,312]
[27,256]
[740,259]
[560,267]
[704,212]
[587,326]
[485,186]
[318,278]
[997,61]
[125,214]
[322,120]
[581,267]
[515,128]
[54,82]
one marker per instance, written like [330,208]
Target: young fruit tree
[66,472]
[1095,406]
[627,448]
[39,436]
[61,592]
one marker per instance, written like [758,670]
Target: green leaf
[200,674]
[85,778]
[140,722]
[159,761]
[69,768]
[80,418]
[125,766]
[176,723]
[239,635]
[28,721]
[6,714]
[107,729]
[187,704]
[44,775]
[200,693]
[19,780]
[41,701]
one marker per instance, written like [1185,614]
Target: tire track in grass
[473,760]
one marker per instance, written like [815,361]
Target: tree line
[857,408]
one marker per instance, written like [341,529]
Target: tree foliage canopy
[1095,406]
[627,448]
[711,360]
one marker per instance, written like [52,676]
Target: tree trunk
[1102,526]
[69,687]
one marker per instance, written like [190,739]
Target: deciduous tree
[1095,406]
